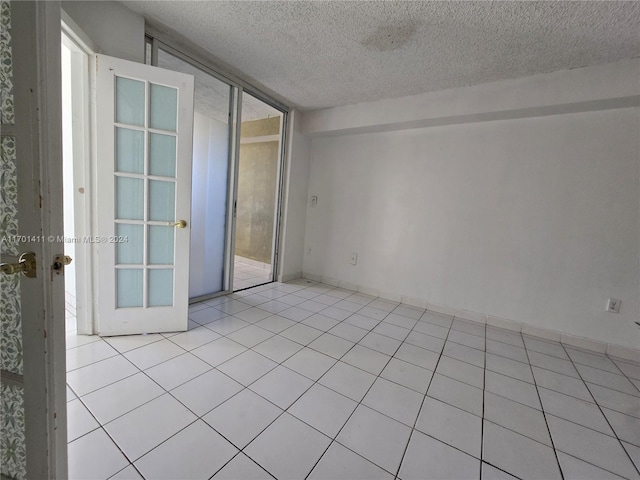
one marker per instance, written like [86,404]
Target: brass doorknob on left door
[26,264]
[178,224]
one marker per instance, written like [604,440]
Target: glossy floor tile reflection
[247,275]
[303,380]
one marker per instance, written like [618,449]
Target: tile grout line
[132,466]
[544,415]
[630,379]
[101,426]
[128,411]
[540,368]
[303,346]
[357,403]
[198,417]
[240,452]
[543,412]
[621,373]
[283,410]
[605,418]
[484,389]
[365,394]
[595,353]
[600,384]
[326,331]
[413,429]
[145,403]
[316,381]
[104,386]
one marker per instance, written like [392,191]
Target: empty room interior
[352,240]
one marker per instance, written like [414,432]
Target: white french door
[144,121]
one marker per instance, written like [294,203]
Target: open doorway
[257,193]
[76,182]
[67,169]
[235,224]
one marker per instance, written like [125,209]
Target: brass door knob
[178,224]
[26,264]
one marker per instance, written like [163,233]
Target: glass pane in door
[164,107]
[129,198]
[162,155]
[160,287]
[130,101]
[162,201]
[129,150]
[210,176]
[145,205]
[131,249]
[129,291]
[161,245]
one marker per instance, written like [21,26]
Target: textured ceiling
[323,54]
[212,95]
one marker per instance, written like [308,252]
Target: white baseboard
[624,353]
[347,286]
[288,277]
[368,291]
[313,278]
[504,323]
[392,297]
[574,341]
[541,333]
[414,302]
[584,343]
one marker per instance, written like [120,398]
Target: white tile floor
[302,380]
[246,275]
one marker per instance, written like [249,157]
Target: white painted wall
[114,29]
[534,220]
[298,158]
[208,205]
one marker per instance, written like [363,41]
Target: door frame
[233,139]
[194,55]
[277,221]
[84,152]
[279,196]
[37,87]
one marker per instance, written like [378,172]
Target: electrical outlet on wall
[613,305]
[354,258]
[314,200]
[309,251]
